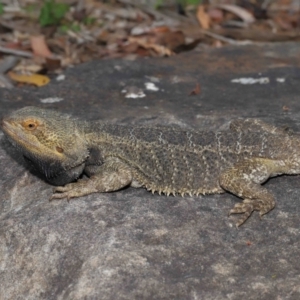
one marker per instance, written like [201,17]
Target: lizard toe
[246,208]
[243,219]
[241,208]
[58,196]
[66,188]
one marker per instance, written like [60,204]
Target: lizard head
[50,140]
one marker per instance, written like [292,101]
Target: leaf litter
[39,39]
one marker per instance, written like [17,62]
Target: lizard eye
[30,124]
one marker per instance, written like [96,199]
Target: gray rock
[132,244]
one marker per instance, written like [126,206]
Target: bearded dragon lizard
[161,159]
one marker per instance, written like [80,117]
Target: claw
[240,222]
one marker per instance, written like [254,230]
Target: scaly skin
[161,159]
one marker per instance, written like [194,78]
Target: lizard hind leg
[244,180]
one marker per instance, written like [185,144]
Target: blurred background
[38,39]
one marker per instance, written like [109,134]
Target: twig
[5,82]
[226,40]
[7,64]
[16,52]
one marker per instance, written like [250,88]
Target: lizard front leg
[245,179]
[111,176]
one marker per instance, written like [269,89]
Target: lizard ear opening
[30,124]
[59,149]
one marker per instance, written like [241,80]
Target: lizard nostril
[7,124]
[3,123]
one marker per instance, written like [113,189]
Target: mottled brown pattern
[161,159]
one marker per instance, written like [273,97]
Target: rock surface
[132,244]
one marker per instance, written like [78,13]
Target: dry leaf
[169,39]
[161,39]
[216,15]
[36,79]
[242,13]
[196,90]
[284,21]
[28,66]
[202,17]
[39,46]
[53,64]
[143,42]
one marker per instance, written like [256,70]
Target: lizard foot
[248,206]
[72,190]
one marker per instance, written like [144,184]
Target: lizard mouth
[16,134]
[4,124]
[8,128]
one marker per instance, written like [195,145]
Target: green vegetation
[1,8]
[160,3]
[52,12]
[191,2]
[72,27]
[89,21]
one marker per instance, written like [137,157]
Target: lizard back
[172,160]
